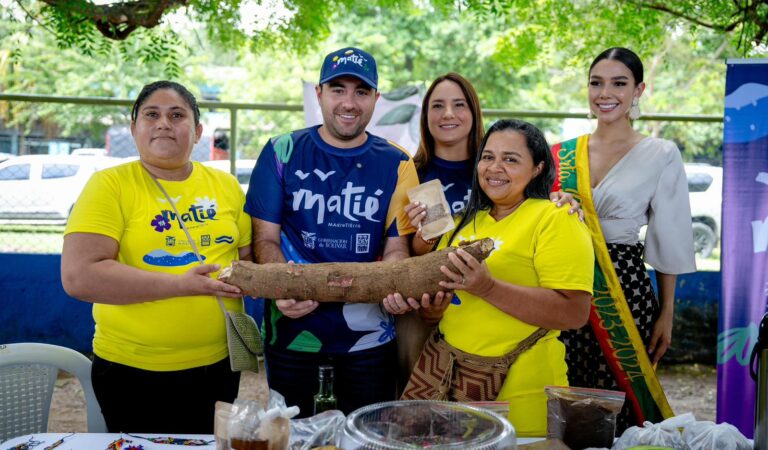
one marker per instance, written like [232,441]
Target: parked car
[243,168]
[705,193]
[44,187]
[213,143]
[89,151]
[705,187]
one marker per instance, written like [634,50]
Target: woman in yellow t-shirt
[160,344]
[539,274]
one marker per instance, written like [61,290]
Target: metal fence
[38,191]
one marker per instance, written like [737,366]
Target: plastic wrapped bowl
[414,424]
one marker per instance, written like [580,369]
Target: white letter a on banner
[760,235]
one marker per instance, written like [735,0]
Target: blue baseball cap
[350,61]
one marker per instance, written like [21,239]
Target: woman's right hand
[416,212]
[295,308]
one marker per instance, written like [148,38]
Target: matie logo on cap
[352,58]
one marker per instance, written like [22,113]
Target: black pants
[361,378]
[180,402]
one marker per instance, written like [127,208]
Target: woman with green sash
[626,180]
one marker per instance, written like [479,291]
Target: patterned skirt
[587,366]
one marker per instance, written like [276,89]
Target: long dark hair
[538,187]
[624,56]
[426,149]
[151,88]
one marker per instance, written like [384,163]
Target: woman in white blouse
[628,180]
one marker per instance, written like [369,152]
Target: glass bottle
[325,399]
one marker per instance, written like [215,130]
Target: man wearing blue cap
[332,193]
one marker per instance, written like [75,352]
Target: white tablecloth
[108,441]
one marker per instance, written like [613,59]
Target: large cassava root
[349,282]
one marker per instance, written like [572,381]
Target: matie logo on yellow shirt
[205,209]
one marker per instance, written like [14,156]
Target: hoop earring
[634,111]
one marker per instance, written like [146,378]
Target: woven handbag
[444,372]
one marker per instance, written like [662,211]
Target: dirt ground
[689,388]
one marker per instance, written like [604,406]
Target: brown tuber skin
[349,282]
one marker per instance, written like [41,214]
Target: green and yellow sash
[609,315]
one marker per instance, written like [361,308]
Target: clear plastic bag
[321,430]
[663,434]
[709,435]
[251,426]
[582,417]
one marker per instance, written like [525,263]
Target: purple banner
[744,258]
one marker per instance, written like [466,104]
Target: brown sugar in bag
[582,417]
[438,219]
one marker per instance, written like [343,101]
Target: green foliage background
[522,55]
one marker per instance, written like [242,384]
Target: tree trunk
[349,282]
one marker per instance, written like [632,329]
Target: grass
[711,264]
[15,238]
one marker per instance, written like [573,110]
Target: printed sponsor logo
[333,243]
[362,242]
[174,242]
[309,239]
[205,240]
[224,240]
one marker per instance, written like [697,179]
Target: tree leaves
[528,54]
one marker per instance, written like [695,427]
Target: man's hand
[295,309]
[395,304]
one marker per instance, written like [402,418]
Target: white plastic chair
[28,372]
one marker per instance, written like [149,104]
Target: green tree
[299,24]
[30,62]
[524,55]
[685,70]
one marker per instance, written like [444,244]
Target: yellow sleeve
[97,209]
[564,256]
[406,179]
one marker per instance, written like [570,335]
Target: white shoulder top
[649,186]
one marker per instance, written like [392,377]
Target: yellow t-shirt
[124,203]
[537,245]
